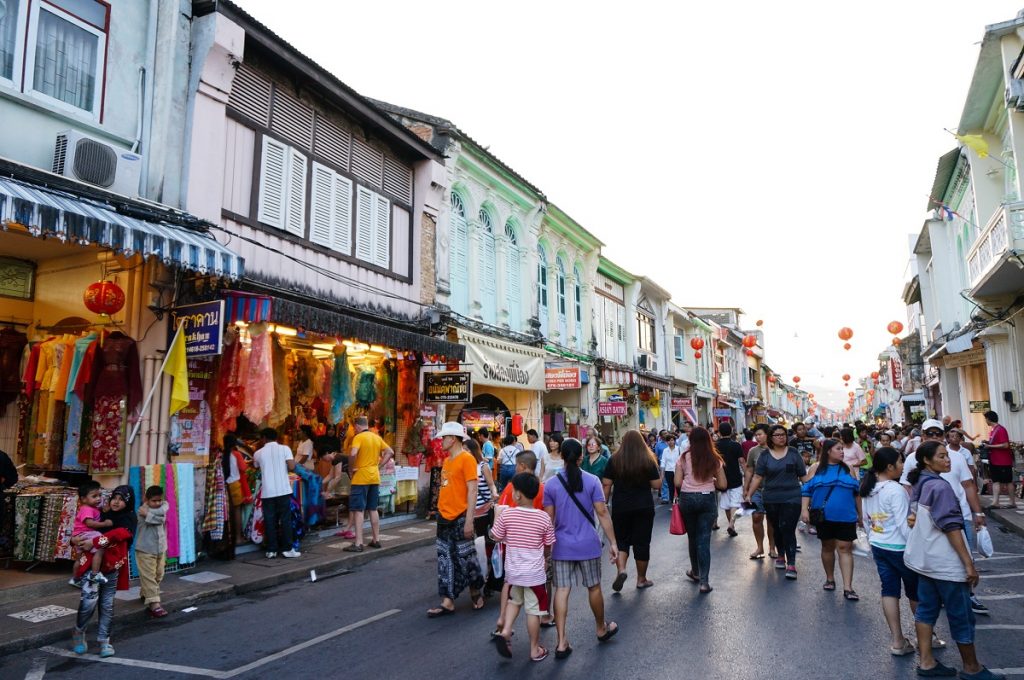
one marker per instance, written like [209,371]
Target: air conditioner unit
[1015,94]
[96,162]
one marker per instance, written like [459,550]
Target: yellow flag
[975,142]
[177,367]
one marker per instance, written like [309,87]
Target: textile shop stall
[567,401]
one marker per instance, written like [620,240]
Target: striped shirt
[483,492]
[525,532]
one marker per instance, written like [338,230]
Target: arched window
[487,266]
[577,299]
[542,289]
[513,295]
[560,283]
[458,257]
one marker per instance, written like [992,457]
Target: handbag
[676,525]
[817,515]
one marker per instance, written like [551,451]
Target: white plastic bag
[861,546]
[498,560]
[985,542]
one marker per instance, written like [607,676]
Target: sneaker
[106,650]
[791,573]
[292,553]
[75,583]
[78,643]
[270,555]
[977,607]
[798,548]
[99,578]
[780,563]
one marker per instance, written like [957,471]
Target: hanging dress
[230,385]
[73,417]
[115,393]
[282,388]
[259,383]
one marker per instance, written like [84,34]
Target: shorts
[633,529]
[758,502]
[731,499]
[1001,474]
[535,599]
[578,572]
[955,596]
[892,571]
[363,496]
[838,531]
[235,492]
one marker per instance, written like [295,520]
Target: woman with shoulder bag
[832,506]
[698,473]
[483,515]
[781,469]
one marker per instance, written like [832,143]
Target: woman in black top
[781,468]
[732,455]
[629,478]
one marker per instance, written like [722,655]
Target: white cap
[809,420]
[930,424]
[452,428]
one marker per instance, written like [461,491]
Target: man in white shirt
[955,447]
[536,444]
[962,481]
[275,461]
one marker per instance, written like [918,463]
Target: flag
[947,212]
[976,143]
[177,367]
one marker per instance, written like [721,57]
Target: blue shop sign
[204,328]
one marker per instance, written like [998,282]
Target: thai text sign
[980,406]
[679,403]
[204,328]
[503,364]
[451,387]
[561,377]
[611,408]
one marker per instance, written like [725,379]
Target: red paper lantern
[749,341]
[104,297]
[847,347]
[896,342]
[796,379]
[845,333]
[697,344]
[850,394]
[750,352]
[846,376]
[895,327]
[771,378]
[874,375]
[760,322]
[697,354]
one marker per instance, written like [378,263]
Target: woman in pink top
[698,472]
[1000,461]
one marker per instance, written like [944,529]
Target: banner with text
[560,377]
[204,328]
[503,364]
[611,408]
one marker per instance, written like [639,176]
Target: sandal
[907,648]
[937,671]
[354,548]
[374,544]
[157,612]
[851,595]
[705,589]
[757,556]
[563,653]
[620,580]
[437,612]
[644,585]
[829,585]
[504,646]
[610,629]
[774,554]
[478,601]
[543,655]
[691,576]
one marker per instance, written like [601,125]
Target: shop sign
[611,408]
[452,387]
[723,413]
[760,414]
[474,420]
[204,328]
[980,406]
[896,371]
[679,403]
[561,377]
[974,356]
[917,408]
[190,427]
[503,364]
[428,411]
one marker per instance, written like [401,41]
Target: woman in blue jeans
[781,469]
[698,472]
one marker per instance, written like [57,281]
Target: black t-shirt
[732,453]
[805,447]
[631,495]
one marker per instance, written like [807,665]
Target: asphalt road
[372,622]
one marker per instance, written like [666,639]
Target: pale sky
[772,156]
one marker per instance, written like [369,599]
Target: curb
[136,618]
[1010,521]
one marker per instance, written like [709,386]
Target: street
[372,621]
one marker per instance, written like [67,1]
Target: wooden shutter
[364,224]
[341,238]
[382,232]
[273,190]
[296,205]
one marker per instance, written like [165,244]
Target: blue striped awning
[47,213]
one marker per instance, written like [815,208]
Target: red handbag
[676,526]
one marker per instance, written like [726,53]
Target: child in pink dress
[88,526]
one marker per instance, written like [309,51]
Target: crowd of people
[911,494]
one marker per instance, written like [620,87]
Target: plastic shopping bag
[498,560]
[985,542]
[861,546]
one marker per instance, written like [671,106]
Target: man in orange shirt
[457,565]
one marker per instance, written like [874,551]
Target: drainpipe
[146,91]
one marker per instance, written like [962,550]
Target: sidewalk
[1012,520]
[36,620]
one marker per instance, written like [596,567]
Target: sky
[768,156]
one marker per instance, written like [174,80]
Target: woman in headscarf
[116,541]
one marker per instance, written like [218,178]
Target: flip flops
[829,585]
[757,556]
[503,645]
[610,629]
[540,657]
[851,595]
[645,585]
[438,612]
[563,653]
[620,579]
[907,648]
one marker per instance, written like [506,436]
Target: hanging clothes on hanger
[259,383]
[115,394]
[73,422]
[12,345]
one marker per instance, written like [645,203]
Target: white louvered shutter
[273,190]
[364,224]
[341,237]
[512,291]
[488,285]
[296,205]
[381,231]
[321,209]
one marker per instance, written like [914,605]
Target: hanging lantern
[697,355]
[895,327]
[750,352]
[846,377]
[750,341]
[851,395]
[846,384]
[771,378]
[760,322]
[104,297]
[811,395]
[845,333]
[796,379]
[697,344]
[847,347]
[874,375]
[896,342]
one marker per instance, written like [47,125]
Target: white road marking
[415,530]
[45,613]
[983,560]
[223,675]
[1000,597]
[1000,626]
[1007,671]
[37,671]
[1015,574]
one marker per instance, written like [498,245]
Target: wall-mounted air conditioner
[96,162]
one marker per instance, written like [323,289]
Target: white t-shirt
[957,475]
[272,460]
[539,449]
[549,466]
[235,474]
[306,449]
[669,456]
[964,452]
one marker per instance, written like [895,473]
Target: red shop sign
[611,408]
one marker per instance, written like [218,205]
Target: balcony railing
[1005,226]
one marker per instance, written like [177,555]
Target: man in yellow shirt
[368,453]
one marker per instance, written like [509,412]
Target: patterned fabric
[184,475]
[457,565]
[49,526]
[7,524]
[311,497]
[109,420]
[259,385]
[73,435]
[26,526]
[69,508]
[216,500]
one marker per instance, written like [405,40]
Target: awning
[961,343]
[704,394]
[614,376]
[47,213]
[725,402]
[657,382]
[916,398]
[879,411]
